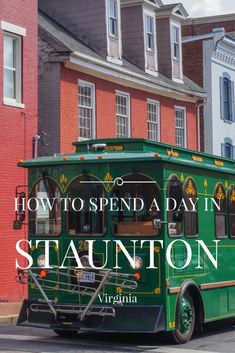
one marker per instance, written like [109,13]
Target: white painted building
[218,54]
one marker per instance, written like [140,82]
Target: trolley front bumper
[126,318]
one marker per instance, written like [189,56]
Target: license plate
[87,277]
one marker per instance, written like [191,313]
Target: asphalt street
[218,337]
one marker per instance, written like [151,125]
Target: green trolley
[99,237]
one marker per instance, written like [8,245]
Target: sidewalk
[9,312]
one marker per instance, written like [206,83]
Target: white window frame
[126,95]
[110,36]
[180,59]
[17,33]
[93,107]
[116,19]
[185,125]
[158,122]
[147,13]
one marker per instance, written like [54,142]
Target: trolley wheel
[185,320]
[66,334]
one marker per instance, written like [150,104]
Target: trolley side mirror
[20,212]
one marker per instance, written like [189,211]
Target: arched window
[220,210]
[175,214]
[83,218]
[134,212]
[45,208]
[191,209]
[231,211]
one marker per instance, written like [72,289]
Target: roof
[135,149]
[72,44]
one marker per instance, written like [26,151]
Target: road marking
[96,344]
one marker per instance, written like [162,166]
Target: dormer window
[113,31]
[150,42]
[176,44]
[113,18]
[149,33]
[176,51]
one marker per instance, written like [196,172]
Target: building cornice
[209,19]
[123,76]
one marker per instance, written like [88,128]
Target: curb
[8,320]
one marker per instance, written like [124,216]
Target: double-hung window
[176,43]
[228,149]
[122,114]
[180,127]
[150,32]
[113,18]
[12,63]
[86,110]
[153,120]
[12,76]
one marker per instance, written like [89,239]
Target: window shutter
[223,149]
[233,156]
[221,98]
[232,102]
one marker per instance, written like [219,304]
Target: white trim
[9,27]
[197,37]
[114,60]
[177,25]
[99,68]
[185,123]
[154,101]
[126,94]
[146,50]
[17,102]
[13,103]
[93,131]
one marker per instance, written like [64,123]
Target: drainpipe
[36,139]
[199,106]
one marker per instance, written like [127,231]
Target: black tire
[66,334]
[185,320]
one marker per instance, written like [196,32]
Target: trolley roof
[132,149]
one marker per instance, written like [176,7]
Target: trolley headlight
[138,263]
[41,260]
[85,261]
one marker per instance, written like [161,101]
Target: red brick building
[18,116]
[113,68]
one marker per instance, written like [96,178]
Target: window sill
[13,103]
[114,60]
[228,121]
[151,72]
[178,80]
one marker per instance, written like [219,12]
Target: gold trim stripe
[206,286]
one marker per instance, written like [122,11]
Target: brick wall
[18,126]
[203,28]
[105,111]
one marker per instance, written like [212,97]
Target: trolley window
[191,208]
[231,202]
[82,218]
[135,211]
[220,210]
[45,208]
[175,214]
